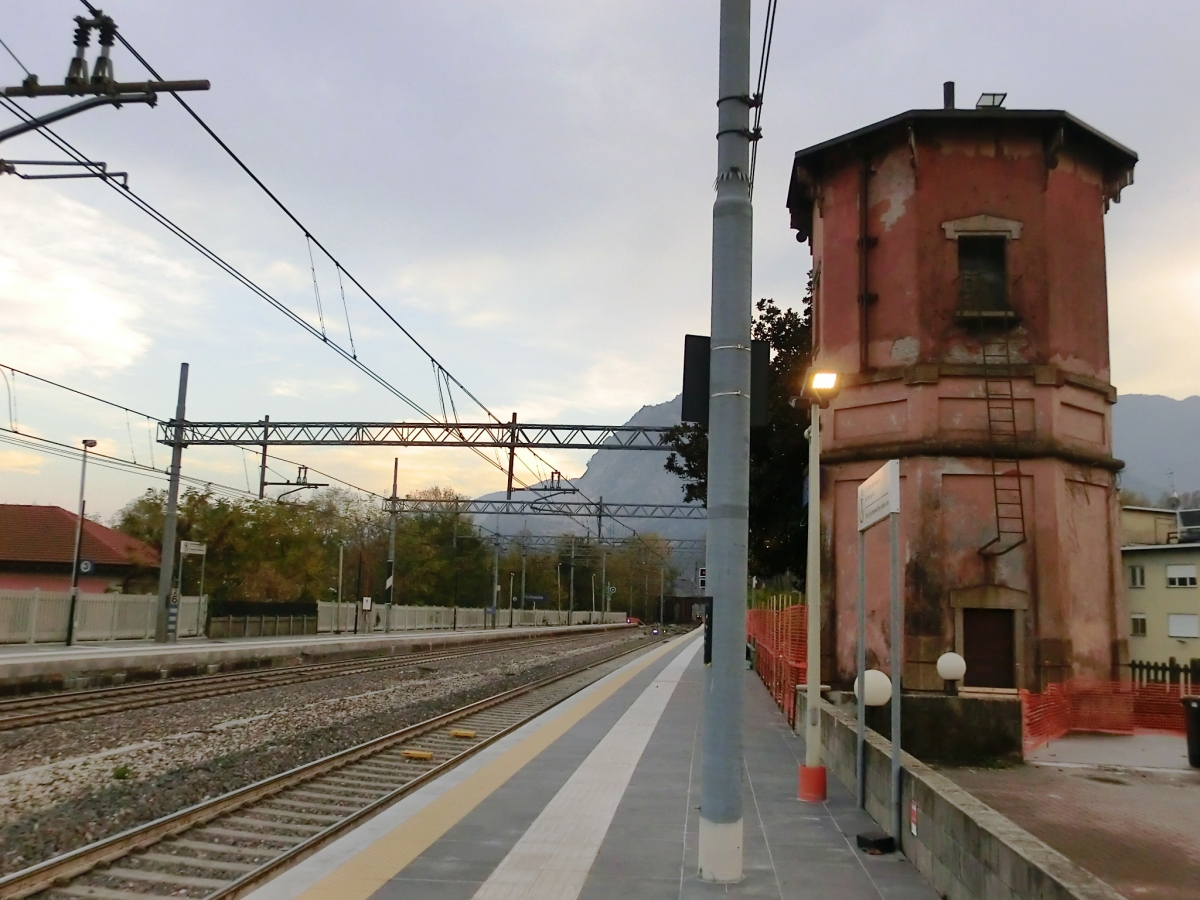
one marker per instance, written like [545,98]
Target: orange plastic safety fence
[1100,706]
[781,647]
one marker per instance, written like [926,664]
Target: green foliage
[288,552]
[121,773]
[778,450]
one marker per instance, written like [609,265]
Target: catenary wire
[308,234]
[212,256]
[351,357]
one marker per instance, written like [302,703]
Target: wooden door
[989,648]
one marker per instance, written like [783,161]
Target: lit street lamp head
[821,386]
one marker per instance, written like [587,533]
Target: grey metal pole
[72,612]
[720,844]
[391,560]
[167,563]
[495,604]
[522,577]
[861,729]
[337,619]
[604,580]
[897,671]
[661,617]
[571,600]
[812,592]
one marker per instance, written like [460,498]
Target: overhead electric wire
[213,257]
[63,387]
[103,460]
[221,263]
[309,237]
[764,61]
[14,56]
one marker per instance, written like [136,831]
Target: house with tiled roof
[37,544]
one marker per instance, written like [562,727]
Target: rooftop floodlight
[990,101]
[821,386]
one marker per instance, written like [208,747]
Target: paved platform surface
[598,799]
[24,662]
[1127,808]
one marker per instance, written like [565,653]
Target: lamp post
[820,387]
[88,443]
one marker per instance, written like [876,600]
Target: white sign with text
[879,495]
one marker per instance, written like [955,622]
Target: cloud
[75,285]
[24,462]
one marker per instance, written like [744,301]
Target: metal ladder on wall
[1003,442]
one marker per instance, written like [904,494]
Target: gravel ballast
[65,785]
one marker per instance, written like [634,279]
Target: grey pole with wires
[166,599]
[728,456]
[88,443]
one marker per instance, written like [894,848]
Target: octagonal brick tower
[960,289]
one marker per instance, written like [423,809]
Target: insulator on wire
[77,73]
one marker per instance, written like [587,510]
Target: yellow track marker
[371,868]
[462,733]
[416,754]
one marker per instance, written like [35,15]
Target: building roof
[1128,548]
[1059,129]
[46,534]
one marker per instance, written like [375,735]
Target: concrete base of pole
[812,784]
[720,851]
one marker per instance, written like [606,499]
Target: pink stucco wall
[922,399]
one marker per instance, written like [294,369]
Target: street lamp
[820,388]
[88,443]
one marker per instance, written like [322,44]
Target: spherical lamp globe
[951,667]
[878,690]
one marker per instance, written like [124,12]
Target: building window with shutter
[1181,576]
[1137,625]
[1137,576]
[1183,625]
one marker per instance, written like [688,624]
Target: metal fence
[333,617]
[39,617]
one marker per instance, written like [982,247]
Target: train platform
[29,667]
[598,798]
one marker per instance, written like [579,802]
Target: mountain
[617,476]
[1156,435]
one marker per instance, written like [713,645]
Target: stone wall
[966,849]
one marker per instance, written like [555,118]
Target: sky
[526,187]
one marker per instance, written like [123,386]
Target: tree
[778,450]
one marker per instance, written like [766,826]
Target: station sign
[192,548]
[879,495]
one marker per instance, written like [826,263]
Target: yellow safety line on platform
[369,870]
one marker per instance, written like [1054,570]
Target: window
[1137,576]
[982,276]
[1183,625]
[1181,576]
[1137,625]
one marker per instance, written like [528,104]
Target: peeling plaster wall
[923,401]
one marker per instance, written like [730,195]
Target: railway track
[24,712]
[225,847]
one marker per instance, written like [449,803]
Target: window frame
[1182,579]
[1137,625]
[1193,632]
[1137,576]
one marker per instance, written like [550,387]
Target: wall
[966,849]
[923,399]
[1157,601]
[1148,526]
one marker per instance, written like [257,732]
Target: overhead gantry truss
[500,435]
[536,542]
[550,507]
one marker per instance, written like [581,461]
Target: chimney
[948,95]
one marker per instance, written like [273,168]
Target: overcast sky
[526,186]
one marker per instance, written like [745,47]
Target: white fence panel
[41,616]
